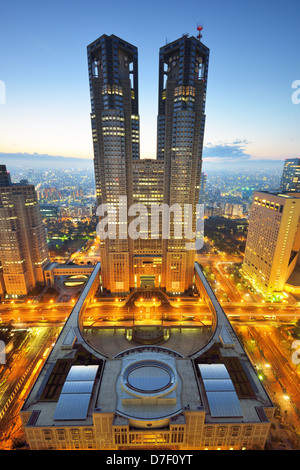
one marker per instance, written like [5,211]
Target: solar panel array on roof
[214,371]
[218,385]
[224,405]
[85,386]
[72,406]
[75,396]
[221,395]
[82,373]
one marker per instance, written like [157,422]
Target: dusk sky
[254,60]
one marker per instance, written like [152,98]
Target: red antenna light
[199,29]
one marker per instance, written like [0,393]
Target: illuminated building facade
[290,180]
[23,247]
[148,180]
[113,76]
[183,71]
[119,172]
[273,239]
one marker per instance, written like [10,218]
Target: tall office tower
[113,75]
[273,239]
[183,69]
[23,246]
[290,180]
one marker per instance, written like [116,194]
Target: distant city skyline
[255,61]
[44,161]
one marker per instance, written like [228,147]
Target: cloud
[36,160]
[226,152]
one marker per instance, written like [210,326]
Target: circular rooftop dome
[149,377]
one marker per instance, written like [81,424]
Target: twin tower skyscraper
[125,181]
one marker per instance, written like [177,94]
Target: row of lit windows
[268,204]
[112,89]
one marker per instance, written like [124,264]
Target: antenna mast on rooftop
[199,29]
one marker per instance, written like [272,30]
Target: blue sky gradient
[255,52]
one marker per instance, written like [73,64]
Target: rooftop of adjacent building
[280,194]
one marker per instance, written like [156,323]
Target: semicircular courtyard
[110,342]
[114,333]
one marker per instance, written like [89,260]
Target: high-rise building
[273,239]
[183,69]
[113,74]
[290,180]
[4,176]
[23,246]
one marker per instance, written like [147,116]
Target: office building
[183,71]
[148,180]
[290,180]
[5,179]
[23,247]
[113,72]
[273,239]
[49,211]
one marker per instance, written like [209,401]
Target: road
[17,377]
[58,313]
[268,349]
[272,356]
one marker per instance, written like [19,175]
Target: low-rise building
[147,396]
